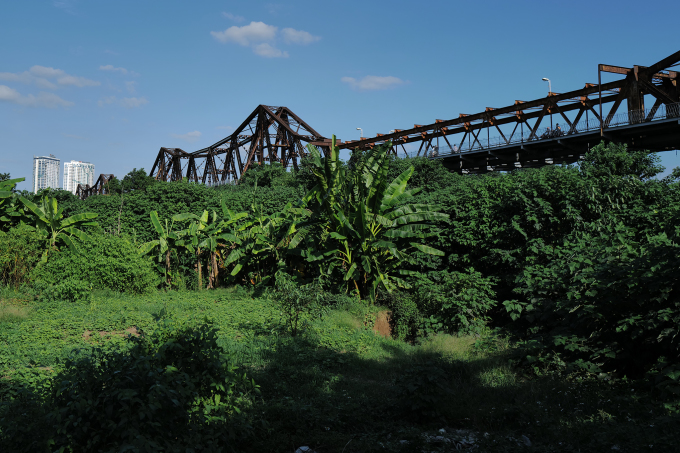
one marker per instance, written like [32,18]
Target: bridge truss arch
[269,134]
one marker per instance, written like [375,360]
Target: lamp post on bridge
[545,79]
[361,135]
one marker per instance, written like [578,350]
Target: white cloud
[189,136]
[39,75]
[44,71]
[224,127]
[130,87]
[77,81]
[128,103]
[292,36]
[110,67]
[233,17]
[269,51]
[42,99]
[373,82]
[262,38]
[255,32]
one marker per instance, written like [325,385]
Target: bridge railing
[628,118]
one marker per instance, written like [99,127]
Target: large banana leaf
[427,249]
[78,219]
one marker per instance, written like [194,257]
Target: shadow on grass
[349,401]
[335,389]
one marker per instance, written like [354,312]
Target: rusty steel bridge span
[525,134]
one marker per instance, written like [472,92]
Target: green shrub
[606,302]
[171,392]
[69,290]
[454,302]
[20,251]
[105,261]
[297,302]
[405,317]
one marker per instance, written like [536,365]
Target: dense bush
[70,289]
[405,319]
[103,260]
[607,301]
[170,392]
[20,251]
[297,302]
[454,302]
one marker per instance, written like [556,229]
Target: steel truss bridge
[100,187]
[269,134]
[525,134]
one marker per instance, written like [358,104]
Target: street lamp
[362,132]
[545,79]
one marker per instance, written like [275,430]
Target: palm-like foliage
[208,233]
[8,209]
[48,217]
[268,243]
[374,225]
[165,247]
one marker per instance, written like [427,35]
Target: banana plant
[49,218]
[374,225]
[165,246]
[268,243]
[9,212]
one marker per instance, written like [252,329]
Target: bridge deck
[659,133]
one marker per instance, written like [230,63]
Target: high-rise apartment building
[77,172]
[45,172]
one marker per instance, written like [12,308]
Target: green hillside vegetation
[535,310]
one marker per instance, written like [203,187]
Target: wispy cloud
[224,127]
[267,50]
[131,103]
[292,36]
[128,103]
[110,67]
[253,33]
[189,136]
[262,38]
[42,99]
[233,17]
[373,82]
[130,86]
[47,78]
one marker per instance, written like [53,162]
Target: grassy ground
[339,387]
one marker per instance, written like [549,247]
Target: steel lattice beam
[472,132]
[268,134]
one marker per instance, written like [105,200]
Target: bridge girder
[581,110]
[268,134]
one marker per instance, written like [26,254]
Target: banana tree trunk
[198,265]
[168,279]
[212,282]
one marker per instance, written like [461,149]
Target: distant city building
[45,172]
[76,172]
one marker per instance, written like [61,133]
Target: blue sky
[112,82]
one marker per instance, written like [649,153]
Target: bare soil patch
[382,324]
